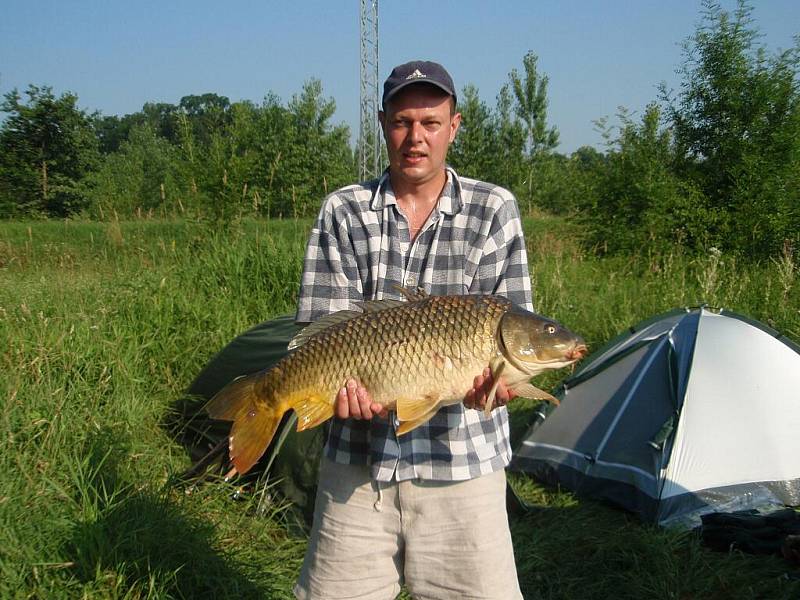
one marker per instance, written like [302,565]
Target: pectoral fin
[411,409]
[407,426]
[527,390]
[312,409]
[497,370]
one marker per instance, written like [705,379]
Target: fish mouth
[570,357]
[578,352]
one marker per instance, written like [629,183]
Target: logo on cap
[417,74]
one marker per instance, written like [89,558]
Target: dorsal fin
[321,324]
[370,306]
[366,306]
[412,294]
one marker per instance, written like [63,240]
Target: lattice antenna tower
[369,137]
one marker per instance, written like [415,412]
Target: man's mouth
[414,157]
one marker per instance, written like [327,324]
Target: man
[428,508]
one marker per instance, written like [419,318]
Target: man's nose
[416,132]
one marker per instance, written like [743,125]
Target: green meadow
[103,325]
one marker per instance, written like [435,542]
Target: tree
[510,171]
[530,107]
[474,152]
[639,201]
[142,174]
[208,113]
[736,120]
[318,158]
[47,146]
[530,94]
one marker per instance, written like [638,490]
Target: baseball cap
[417,71]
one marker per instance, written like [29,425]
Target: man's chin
[416,174]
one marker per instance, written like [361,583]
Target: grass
[104,324]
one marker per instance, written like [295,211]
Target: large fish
[413,356]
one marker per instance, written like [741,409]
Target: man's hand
[477,396]
[353,401]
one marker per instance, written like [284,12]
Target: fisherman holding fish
[427,508]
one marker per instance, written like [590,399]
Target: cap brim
[405,84]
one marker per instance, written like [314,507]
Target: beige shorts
[442,539]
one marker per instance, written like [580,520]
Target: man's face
[418,128]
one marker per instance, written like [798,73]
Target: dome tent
[690,412]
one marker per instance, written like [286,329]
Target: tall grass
[104,324]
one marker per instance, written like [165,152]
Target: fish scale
[414,357]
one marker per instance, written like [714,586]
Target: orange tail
[254,420]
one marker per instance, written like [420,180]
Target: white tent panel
[740,421]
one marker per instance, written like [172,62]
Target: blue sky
[599,55]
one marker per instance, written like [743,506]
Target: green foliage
[142,174]
[716,164]
[268,159]
[219,160]
[161,117]
[737,129]
[512,145]
[320,160]
[530,93]
[639,201]
[720,168]
[530,106]
[510,169]
[47,146]
[475,150]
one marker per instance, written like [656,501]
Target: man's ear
[455,123]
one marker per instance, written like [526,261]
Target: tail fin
[254,420]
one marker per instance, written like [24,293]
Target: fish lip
[579,351]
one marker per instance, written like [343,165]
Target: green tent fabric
[293,458]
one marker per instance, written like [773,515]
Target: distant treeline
[714,163]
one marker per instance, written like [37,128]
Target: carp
[413,357]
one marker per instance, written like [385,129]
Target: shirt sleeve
[504,262]
[330,280]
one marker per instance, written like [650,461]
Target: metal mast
[369,138]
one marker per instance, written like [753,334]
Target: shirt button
[411,281]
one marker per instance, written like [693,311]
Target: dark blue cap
[417,71]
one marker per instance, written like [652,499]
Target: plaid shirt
[360,249]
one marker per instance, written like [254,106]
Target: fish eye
[551,329]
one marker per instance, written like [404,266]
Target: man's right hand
[354,402]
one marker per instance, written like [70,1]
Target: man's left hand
[477,396]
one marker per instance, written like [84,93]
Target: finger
[488,379]
[352,400]
[380,410]
[469,399]
[342,407]
[364,403]
[501,397]
[477,393]
[484,382]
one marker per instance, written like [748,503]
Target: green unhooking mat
[292,458]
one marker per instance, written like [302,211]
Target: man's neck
[418,193]
[416,202]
